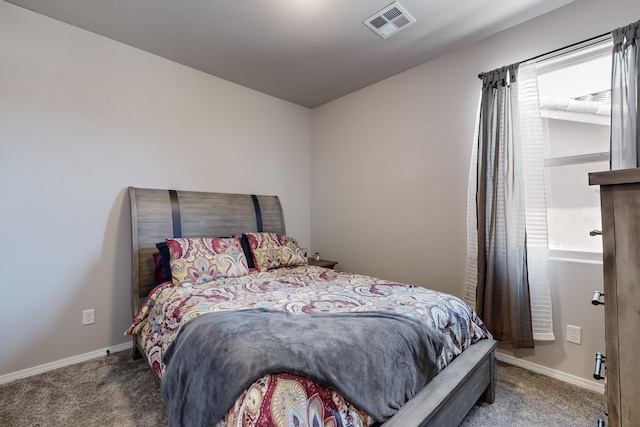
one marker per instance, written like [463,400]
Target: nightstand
[323,263]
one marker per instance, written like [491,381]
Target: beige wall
[572,285]
[83,117]
[390,165]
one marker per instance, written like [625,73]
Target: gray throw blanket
[376,360]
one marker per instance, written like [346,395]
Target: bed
[466,366]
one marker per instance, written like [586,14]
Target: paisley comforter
[284,399]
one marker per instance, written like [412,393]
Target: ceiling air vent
[389,20]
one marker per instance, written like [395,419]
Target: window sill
[576,256]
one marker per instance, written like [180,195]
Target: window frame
[598,49]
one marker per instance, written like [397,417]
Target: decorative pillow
[158,273]
[247,252]
[272,250]
[201,260]
[162,272]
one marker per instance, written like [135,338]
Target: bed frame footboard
[447,399]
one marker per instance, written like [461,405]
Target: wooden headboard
[160,214]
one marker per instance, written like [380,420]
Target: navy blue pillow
[163,268]
[164,256]
[247,250]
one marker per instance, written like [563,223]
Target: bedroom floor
[118,391]
[525,398]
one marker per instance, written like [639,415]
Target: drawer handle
[595,233]
[596,298]
[600,359]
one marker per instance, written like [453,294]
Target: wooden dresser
[620,203]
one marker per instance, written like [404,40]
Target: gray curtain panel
[625,139]
[502,293]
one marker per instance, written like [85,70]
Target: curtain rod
[560,49]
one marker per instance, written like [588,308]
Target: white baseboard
[562,376]
[64,362]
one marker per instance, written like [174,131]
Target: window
[575,105]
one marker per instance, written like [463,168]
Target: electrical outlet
[88,317]
[574,334]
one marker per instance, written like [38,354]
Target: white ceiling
[305,51]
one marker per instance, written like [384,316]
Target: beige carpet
[524,399]
[118,391]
